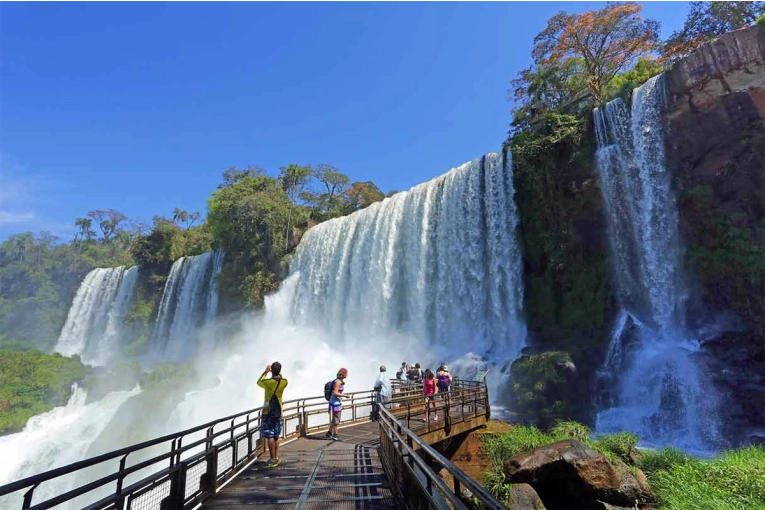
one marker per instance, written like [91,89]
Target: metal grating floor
[315,474]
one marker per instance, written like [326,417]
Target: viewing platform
[391,462]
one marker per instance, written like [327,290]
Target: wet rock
[568,474]
[523,497]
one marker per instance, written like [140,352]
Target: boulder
[523,497]
[569,474]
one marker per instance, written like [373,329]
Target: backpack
[329,388]
[274,408]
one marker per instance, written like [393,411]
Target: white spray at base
[661,393]
[53,439]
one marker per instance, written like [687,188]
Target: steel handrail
[235,431]
[405,434]
[76,466]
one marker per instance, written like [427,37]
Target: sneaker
[268,462]
[272,463]
[335,438]
[328,435]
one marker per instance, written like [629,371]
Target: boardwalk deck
[315,473]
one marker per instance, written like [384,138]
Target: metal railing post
[120,500]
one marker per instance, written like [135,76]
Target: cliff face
[716,151]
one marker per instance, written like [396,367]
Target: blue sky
[141,106]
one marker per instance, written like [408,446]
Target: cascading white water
[661,393]
[94,322]
[438,265]
[189,301]
[53,439]
[212,293]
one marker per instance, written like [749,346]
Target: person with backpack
[271,416]
[333,391]
[401,372]
[443,378]
[382,391]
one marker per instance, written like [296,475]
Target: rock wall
[716,151]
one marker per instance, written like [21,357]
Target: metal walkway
[315,473]
[377,464]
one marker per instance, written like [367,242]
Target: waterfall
[661,394]
[53,439]
[189,301]
[94,323]
[437,265]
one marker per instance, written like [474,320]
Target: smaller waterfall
[189,302]
[94,322]
[650,383]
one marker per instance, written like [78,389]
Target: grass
[734,480]
[731,481]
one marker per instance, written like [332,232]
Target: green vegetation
[34,382]
[726,251]
[732,480]
[707,21]
[567,299]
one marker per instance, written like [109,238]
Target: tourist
[271,416]
[444,378]
[382,391]
[430,391]
[401,371]
[414,374]
[336,403]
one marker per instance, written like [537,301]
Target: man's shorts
[270,427]
[334,415]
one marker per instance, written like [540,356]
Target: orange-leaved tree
[605,42]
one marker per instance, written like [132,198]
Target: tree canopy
[706,21]
[579,54]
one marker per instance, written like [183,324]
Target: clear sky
[141,106]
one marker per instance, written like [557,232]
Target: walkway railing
[180,470]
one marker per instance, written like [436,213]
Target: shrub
[621,445]
[571,429]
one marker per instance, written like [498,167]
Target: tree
[362,195]
[608,41]
[293,179]
[233,175]
[193,217]
[329,201]
[540,89]
[179,215]
[706,21]
[85,231]
[108,220]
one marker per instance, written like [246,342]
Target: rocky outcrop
[716,150]
[547,387]
[568,474]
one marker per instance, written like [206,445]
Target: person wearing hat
[336,403]
[443,378]
[382,389]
